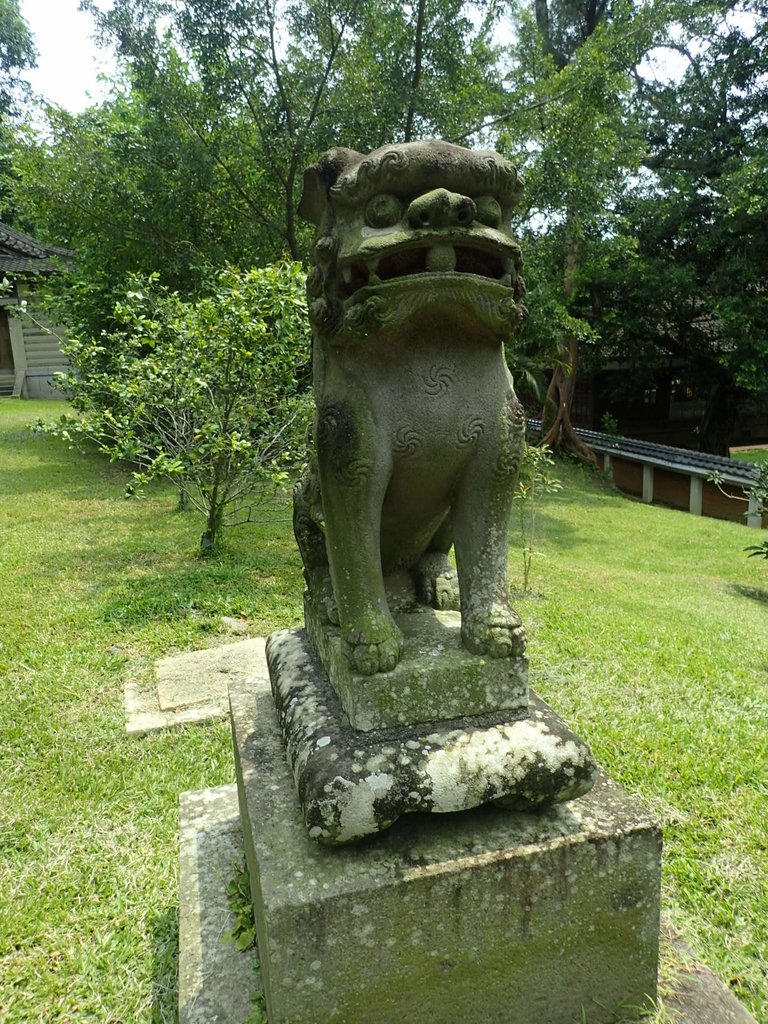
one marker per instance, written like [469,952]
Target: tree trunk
[719,418]
[184,503]
[541,11]
[210,536]
[561,434]
[418,56]
[215,516]
[290,211]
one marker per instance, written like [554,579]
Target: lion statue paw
[499,635]
[376,649]
[438,582]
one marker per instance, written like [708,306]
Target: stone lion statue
[414,292]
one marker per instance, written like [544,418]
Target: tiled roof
[21,253]
[683,459]
[24,265]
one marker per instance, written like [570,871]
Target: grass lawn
[647,631]
[756,455]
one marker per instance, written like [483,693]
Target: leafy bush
[756,497]
[211,394]
[758,550]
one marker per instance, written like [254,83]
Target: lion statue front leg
[489,625]
[353,479]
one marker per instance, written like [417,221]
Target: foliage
[758,550]
[241,907]
[222,105]
[610,425]
[571,82]
[535,481]
[644,234]
[644,209]
[243,932]
[265,86]
[258,1014]
[690,284]
[758,492]
[17,53]
[100,181]
[755,496]
[209,394]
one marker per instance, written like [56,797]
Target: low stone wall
[675,477]
[682,489]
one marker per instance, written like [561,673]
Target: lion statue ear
[320,178]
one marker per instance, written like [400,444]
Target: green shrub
[211,394]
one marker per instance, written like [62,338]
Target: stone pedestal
[436,671]
[352,783]
[469,918]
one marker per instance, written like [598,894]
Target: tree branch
[538,105]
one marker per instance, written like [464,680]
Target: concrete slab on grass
[217,984]
[697,996]
[203,677]
[191,687]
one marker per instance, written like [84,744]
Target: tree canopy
[17,54]
[644,205]
[693,286]
[642,235]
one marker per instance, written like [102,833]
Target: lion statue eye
[383,211]
[488,211]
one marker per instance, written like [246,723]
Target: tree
[572,82]
[267,86]
[209,394]
[17,53]
[694,285]
[535,480]
[221,106]
[130,191]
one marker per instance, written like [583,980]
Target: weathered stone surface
[696,996]
[352,784]
[701,998]
[203,677]
[143,714]
[191,688]
[216,983]
[414,292]
[436,678]
[693,995]
[473,918]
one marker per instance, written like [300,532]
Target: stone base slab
[143,715]
[191,687]
[472,918]
[435,672]
[215,973]
[217,985]
[203,677]
[352,784]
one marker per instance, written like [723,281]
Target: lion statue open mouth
[416,288]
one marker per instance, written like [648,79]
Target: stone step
[217,984]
